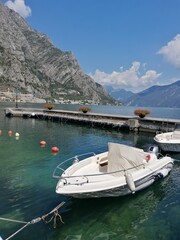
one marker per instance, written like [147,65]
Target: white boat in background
[120,171]
[168,141]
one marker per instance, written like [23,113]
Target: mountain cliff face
[158,96]
[31,64]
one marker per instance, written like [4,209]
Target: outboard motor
[153,149]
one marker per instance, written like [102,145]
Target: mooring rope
[36,220]
[11,220]
[17,231]
[176,160]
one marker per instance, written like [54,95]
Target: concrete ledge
[107,120]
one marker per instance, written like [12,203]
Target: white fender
[130,182]
[164,172]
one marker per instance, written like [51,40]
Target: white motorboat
[120,171]
[168,141]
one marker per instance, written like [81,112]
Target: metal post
[16,99]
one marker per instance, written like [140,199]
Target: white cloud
[171,52]
[20,7]
[130,79]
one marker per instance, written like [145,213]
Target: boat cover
[122,157]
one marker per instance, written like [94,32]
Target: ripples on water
[27,189]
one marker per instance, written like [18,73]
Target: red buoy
[43,143]
[55,149]
[10,133]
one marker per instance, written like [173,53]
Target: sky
[129,44]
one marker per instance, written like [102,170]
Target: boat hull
[118,191]
[168,142]
[169,147]
[114,192]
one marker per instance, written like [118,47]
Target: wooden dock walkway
[131,123]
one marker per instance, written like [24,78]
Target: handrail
[67,160]
[90,175]
[99,174]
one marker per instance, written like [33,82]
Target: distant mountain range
[119,94]
[155,96]
[30,63]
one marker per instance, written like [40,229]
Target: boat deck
[89,169]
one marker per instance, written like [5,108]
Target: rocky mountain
[157,96]
[30,63]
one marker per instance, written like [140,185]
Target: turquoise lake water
[27,189]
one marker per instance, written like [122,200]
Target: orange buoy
[55,149]
[42,143]
[10,133]
[0,132]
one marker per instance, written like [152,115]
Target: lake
[27,189]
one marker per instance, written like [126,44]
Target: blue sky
[131,44]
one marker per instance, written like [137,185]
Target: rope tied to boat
[56,214]
[176,160]
[36,220]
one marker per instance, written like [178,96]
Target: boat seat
[103,162]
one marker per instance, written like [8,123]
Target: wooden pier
[131,123]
